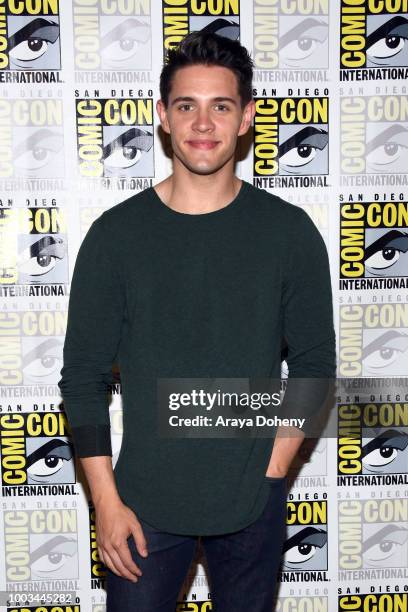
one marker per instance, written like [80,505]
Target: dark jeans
[242,565]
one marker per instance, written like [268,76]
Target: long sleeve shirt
[168,294]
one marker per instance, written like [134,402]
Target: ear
[247,117]
[162,112]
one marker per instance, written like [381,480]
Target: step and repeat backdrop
[78,134]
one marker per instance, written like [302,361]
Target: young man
[202,275]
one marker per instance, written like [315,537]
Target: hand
[276,472]
[286,444]
[114,522]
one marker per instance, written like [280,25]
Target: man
[199,276]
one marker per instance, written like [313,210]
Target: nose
[203,121]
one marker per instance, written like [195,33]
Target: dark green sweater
[168,294]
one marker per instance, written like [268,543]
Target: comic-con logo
[305,603]
[373,245]
[304,553]
[383,602]
[372,535]
[291,34]
[33,246]
[291,138]
[58,608]
[29,36]
[35,449]
[373,34]
[115,137]
[98,569]
[372,440]
[41,545]
[373,135]
[183,16]
[373,340]
[112,35]
[32,140]
[31,345]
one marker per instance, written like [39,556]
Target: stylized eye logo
[388,544]
[121,45]
[387,42]
[384,351]
[126,150]
[384,449]
[54,558]
[33,40]
[303,44]
[302,148]
[385,252]
[386,152]
[302,546]
[47,460]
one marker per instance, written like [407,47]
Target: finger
[123,571]
[100,554]
[110,564]
[127,559]
[140,540]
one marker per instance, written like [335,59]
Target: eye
[33,40]
[43,360]
[383,258]
[380,457]
[299,156]
[53,555]
[30,49]
[124,157]
[386,153]
[41,256]
[126,150]
[382,357]
[38,150]
[305,39]
[386,47]
[385,544]
[124,42]
[300,49]
[382,550]
[300,553]
[123,49]
[46,467]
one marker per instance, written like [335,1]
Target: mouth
[203,144]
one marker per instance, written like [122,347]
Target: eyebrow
[48,30]
[379,342]
[190,99]
[386,29]
[387,134]
[300,28]
[380,535]
[313,535]
[399,438]
[300,136]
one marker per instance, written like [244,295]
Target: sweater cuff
[92,440]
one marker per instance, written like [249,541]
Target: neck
[193,193]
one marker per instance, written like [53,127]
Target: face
[204,117]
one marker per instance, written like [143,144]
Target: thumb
[139,538]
